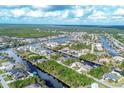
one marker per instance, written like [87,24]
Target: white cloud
[35,13]
[65,14]
[97,15]
[119,11]
[52,14]
[18,12]
[79,12]
[117,18]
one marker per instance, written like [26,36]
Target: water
[50,81]
[107,46]
[60,39]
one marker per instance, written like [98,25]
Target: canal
[106,44]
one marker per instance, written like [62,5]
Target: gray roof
[111,76]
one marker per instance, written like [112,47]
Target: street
[3,82]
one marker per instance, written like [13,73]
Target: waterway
[60,40]
[106,44]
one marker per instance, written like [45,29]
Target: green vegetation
[119,37]
[56,56]
[34,57]
[2,71]
[59,47]
[30,55]
[89,57]
[98,72]
[3,60]
[1,85]
[79,46]
[68,76]
[121,66]
[3,54]
[23,83]
[69,61]
[8,77]
[25,32]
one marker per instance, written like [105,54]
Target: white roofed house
[105,60]
[112,76]
[7,66]
[80,67]
[99,47]
[118,58]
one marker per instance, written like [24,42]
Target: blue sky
[63,14]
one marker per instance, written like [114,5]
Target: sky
[62,14]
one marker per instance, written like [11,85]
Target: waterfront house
[112,76]
[18,74]
[94,85]
[118,58]
[42,60]
[33,86]
[7,66]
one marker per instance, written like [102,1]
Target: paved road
[3,82]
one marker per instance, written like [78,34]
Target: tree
[122,65]
[98,72]
[89,57]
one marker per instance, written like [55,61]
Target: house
[42,60]
[81,67]
[66,50]
[18,74]
[62,59]
[33,86]
[118,58]
[104,60]
[112,76]
[99,47]
[94,85]
[85,51]
[7,66]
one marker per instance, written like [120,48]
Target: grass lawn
[1,71]
[98,72]
[89,57]
[70,61]
[79,46]
[3,60]
[1,85]
[28,81]
[23,83]
[7,78]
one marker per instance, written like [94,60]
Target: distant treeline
[31,29]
